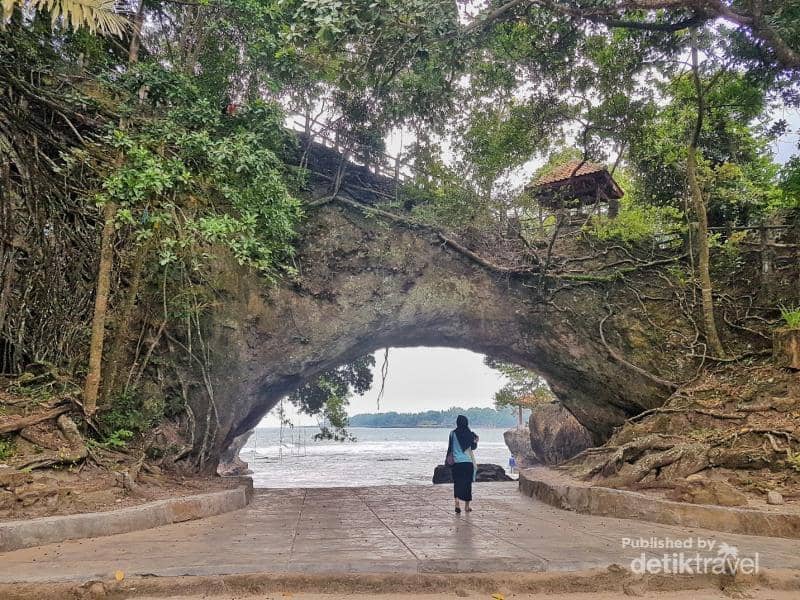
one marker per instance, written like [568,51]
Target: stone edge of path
[611,579]
[15,535]
[568,494]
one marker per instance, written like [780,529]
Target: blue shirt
[458,454]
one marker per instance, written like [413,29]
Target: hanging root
[384,374]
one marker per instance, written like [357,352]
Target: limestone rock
[486,472]
[518,441]
[230,465]
[774,497]
[707,492]
[367,283]
[555,434]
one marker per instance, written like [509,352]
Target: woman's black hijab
[466,438]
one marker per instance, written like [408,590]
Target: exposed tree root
[719,427]
[629,453]
[23,422]
[73,452]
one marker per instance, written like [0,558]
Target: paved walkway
[378,529]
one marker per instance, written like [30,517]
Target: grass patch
[791,316]
[7,448]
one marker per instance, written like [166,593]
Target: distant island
[478,417]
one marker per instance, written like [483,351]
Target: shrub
[791,316]
[129,413]
[636,223]
[6,448]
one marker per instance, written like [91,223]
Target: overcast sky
[422,379]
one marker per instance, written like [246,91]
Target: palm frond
[98,16]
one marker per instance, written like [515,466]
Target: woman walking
[460,457]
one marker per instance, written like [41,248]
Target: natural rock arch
[366,282]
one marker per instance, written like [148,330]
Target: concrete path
[369,530]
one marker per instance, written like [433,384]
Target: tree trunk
[136,34]
[92,384]
[702,216]
[117,349]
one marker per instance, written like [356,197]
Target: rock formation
[555,434]
[368,280]
[518,441]
[230,465]
[486,472]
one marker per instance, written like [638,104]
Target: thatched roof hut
[575,184]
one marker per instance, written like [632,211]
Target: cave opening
[398,407]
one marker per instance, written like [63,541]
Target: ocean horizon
[290,458]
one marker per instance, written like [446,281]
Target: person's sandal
[458,510]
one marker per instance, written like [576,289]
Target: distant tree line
[478,417]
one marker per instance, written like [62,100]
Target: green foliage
[195,177]
[637,223]
[523,388]
[478,417]
[729,256]
[736,171]
[131,413]
[328,395]
[790,185]
[7,447]
[791,316]
[118,439]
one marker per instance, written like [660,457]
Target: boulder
[518,441]
[555,434]
[774,498]
[486,472]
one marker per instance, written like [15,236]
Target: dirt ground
[728,438]
[93,489]
[689,595]
[49,466]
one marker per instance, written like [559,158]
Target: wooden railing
[392,167]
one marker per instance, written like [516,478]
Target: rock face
[366,282]
[230,465]
[486,472]
[704,491]
[518,441]
[555,434]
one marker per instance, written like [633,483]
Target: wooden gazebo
[576,184]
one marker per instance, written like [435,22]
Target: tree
[105,266]
[524,389]
[98,16]
[700,210]
[328,395]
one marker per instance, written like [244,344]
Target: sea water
[401,456]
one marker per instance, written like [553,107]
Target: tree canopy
[160,129]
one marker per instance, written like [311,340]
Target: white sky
[421,379]
[786,146]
